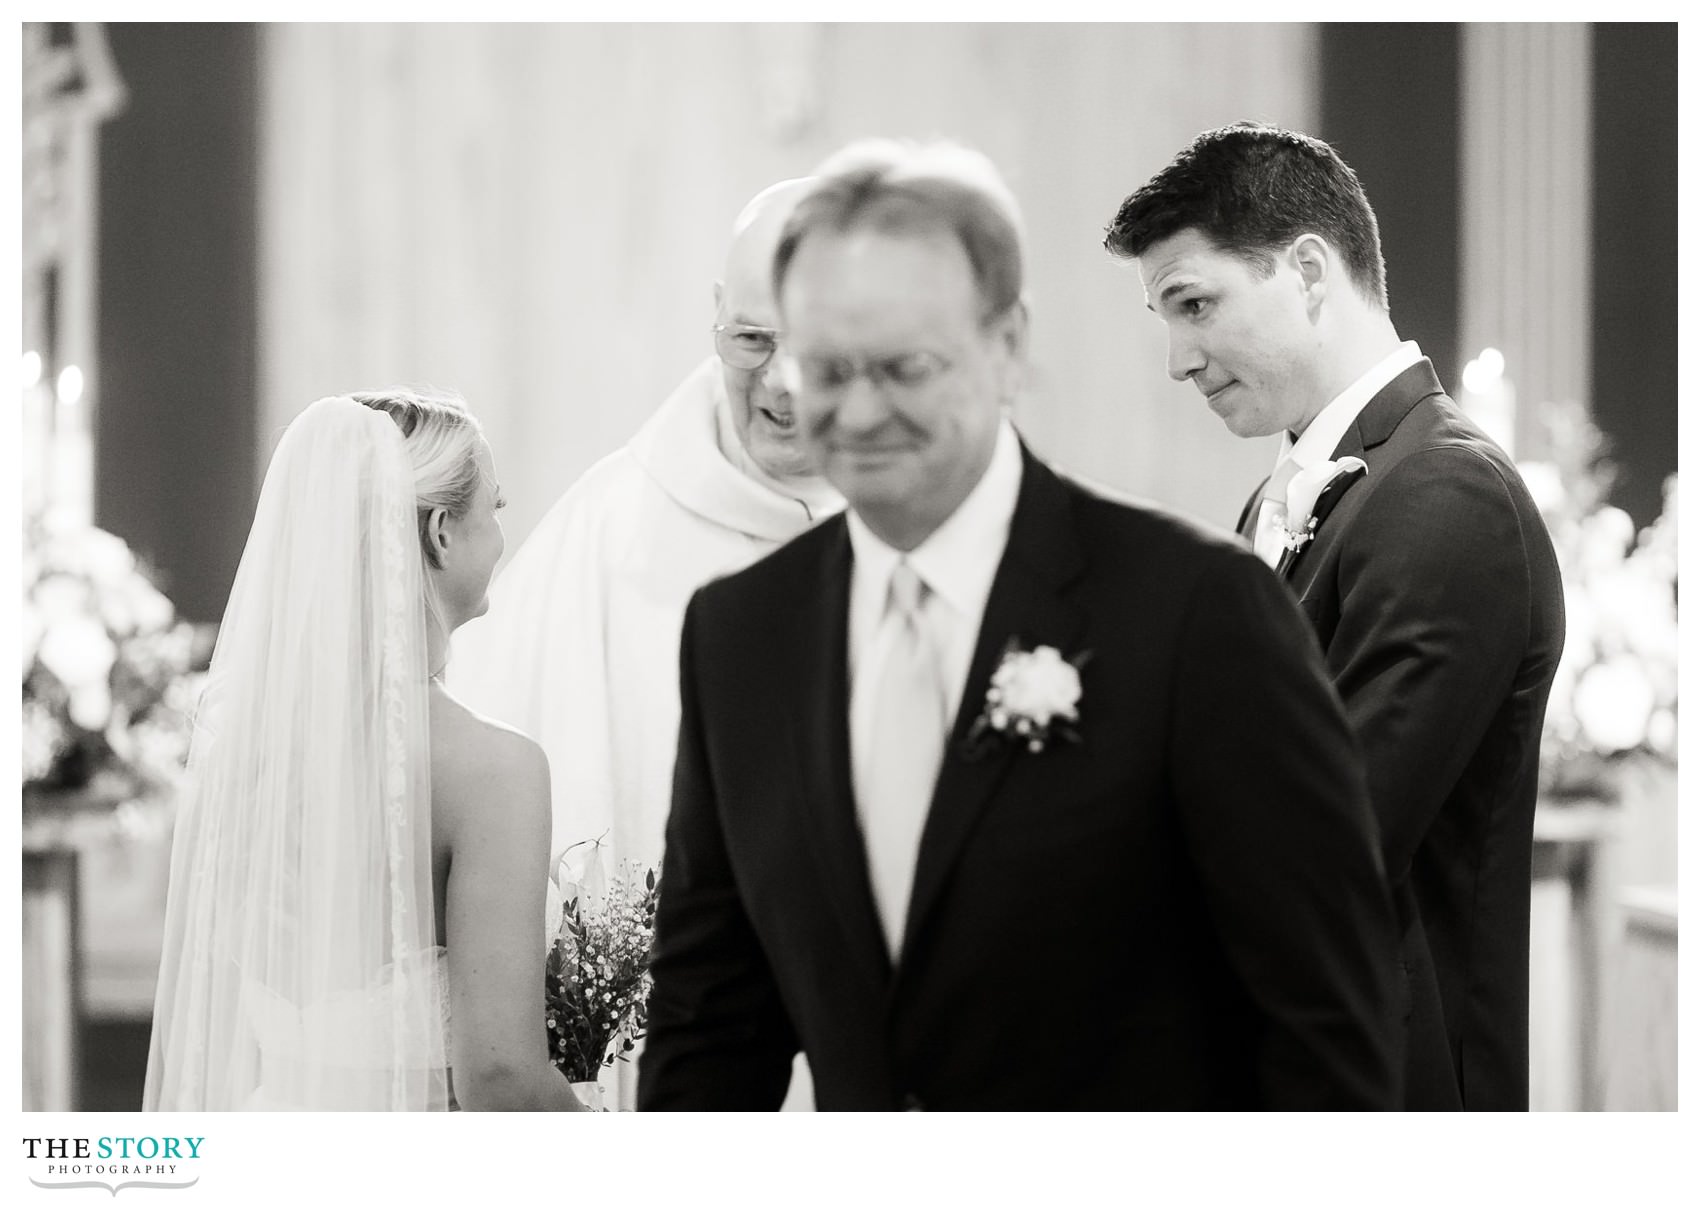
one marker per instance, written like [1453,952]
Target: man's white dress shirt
[957,564]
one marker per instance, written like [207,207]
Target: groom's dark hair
[1251,189]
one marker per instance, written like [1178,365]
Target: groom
[1145,876]
[1432,588]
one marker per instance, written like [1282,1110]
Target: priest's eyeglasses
[833,375]
[745,347]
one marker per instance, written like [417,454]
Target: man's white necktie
[1268,540]
[894,786]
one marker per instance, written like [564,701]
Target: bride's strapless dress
[348,1037]
[347,1032]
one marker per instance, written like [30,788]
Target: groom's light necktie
[1267,539]
[900,763]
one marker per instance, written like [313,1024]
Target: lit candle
[72,487]
[1490,399]
[37,425]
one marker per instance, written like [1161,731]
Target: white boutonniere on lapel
[1311,496]
[1034,698]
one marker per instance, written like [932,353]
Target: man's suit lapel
[821,711]
[1387,408]
[1026,603]
[1373,427]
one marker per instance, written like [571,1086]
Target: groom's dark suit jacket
[1435,593]
[1185,908]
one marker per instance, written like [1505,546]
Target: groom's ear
[1314,260]
[437,536]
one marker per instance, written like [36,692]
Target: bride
[359,860]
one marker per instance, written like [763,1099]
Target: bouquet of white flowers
[597,970]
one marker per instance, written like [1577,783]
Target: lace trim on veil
[395,759]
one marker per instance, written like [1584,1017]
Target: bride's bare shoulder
[477,758]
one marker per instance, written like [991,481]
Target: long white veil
[300,968]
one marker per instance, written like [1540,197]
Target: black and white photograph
[845,567]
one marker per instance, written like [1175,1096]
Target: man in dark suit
[998,794]
[1426,573]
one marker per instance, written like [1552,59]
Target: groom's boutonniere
[1034,697]
[1311,497]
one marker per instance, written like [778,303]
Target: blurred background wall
[535,215]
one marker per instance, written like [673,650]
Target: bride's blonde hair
[442,439]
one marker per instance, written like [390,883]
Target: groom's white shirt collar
[1317,443]
[957,562]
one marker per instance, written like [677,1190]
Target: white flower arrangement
[108,671]
[1615,692]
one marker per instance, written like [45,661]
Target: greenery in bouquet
[1615,694]
[110,675]
[597,971]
